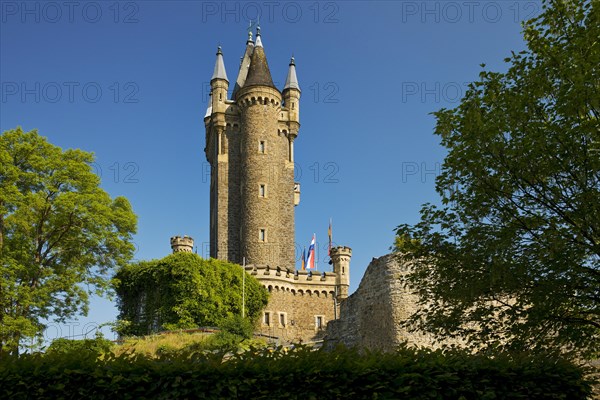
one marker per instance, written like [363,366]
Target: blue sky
[129,81]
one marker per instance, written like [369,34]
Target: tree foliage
[512,256]
[182,291]
[60,234]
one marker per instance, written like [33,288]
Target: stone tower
[250,147]
[182,244]
[340,258]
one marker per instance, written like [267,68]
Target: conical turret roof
[291,81]
[219,72]
[244,65]
[258,72]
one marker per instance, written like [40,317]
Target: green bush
[294,374]
[236,325]
[97,346]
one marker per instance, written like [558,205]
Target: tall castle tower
[250,147]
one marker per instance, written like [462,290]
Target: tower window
[262,147]
[319,322]
[282,319]
[267,318]
[262,190]
[262,235]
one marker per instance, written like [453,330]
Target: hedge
[300,373]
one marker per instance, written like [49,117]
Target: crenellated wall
[302,297]
[182,244]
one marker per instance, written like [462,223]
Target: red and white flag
[310,263]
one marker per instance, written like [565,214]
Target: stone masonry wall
[267,184]
[297,300]
[371,317]
[300,312]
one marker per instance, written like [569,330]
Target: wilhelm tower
[250,147]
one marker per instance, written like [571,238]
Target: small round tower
[291,98]
[219,84]
[182,244]
[340,257]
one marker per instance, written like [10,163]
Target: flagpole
[244,289]
[335,303]
[330,238]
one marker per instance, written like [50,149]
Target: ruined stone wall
[371,317]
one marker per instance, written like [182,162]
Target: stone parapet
[182,244]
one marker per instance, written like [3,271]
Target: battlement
[183,244]
[341,251]
[291,276]
[259,95]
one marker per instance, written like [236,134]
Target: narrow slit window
[262,235]
[319,322]
[262,190]
[262,147]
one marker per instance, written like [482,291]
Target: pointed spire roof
[258,73]
[219,72]
[244,65]
[258,39]
[291,81]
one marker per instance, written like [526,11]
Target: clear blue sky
[129,81]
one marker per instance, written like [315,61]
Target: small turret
[183,244]
[219,84]
[291,93]
[340,257]
[291,81]
[219,71]
[291,100]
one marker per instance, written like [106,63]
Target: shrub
[97,346]
[296,373]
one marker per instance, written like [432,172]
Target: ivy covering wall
[183,291]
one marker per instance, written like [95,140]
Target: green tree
[182,291]
[60,235]
[511,258]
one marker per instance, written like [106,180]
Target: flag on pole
[310,263]
[330,238]
[304,259]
